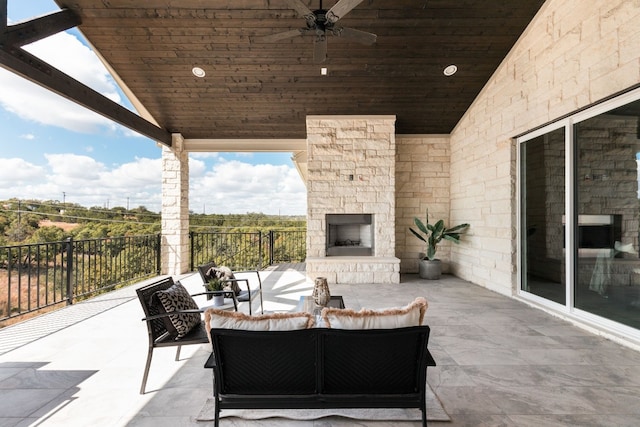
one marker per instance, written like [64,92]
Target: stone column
[175,208]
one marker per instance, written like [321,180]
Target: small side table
[307,304]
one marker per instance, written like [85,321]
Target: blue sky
[55,150]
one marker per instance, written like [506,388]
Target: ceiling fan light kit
[321,23]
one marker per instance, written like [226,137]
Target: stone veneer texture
[422,183]
[351,169]
[175,209]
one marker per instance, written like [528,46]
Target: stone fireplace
[351,199]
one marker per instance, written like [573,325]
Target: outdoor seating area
[499,362]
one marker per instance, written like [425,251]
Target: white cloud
[237,187]
[15,171]
[34,103]
[222,187]
[69,168]
[138,175]
[197,168]
[28,136]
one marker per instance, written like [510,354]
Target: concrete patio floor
[500,362]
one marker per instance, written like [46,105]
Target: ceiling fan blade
[302,10]
[355,35]
[340,9]
[320,49]
[278,36]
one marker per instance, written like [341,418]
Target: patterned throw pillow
[177,298]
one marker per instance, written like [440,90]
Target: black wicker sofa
[320,368]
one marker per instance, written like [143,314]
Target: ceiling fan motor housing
[321,24]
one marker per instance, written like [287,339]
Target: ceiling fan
[322,23]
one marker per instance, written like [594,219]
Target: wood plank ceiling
[262,90]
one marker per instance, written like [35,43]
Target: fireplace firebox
[350,234]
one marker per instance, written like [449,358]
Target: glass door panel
[607,266]
[542,169]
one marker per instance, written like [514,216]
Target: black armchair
[155,316]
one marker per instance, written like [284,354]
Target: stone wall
[351,169]
[573,53]
[422,182]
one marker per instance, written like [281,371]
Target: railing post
[270,247]
[69,252]
[158,253]
[260,252]
[191,249]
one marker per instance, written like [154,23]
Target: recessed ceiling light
[198,72]
[323,71]
[450,70]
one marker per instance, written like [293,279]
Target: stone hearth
[351,170]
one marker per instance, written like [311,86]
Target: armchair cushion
[177,298]
[344,318]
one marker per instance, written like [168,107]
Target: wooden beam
[34,69]
[243,145]
[4,19]
[39,28]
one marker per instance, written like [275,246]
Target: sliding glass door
[580,213]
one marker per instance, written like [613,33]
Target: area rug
[435,412]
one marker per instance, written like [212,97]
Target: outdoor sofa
[280,361]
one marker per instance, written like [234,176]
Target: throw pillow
[411,315]
[224,273]
[215,318]
[177,298]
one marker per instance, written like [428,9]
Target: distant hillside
[66,226]
[36,221]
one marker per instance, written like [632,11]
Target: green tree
[19,231]
[48,234]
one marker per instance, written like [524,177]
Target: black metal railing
[242,251]
[41,275]
[287,246]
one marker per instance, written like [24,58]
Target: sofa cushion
[215,318]
[177,298]
[411,315]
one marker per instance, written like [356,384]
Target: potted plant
[430,267]
[216,284]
